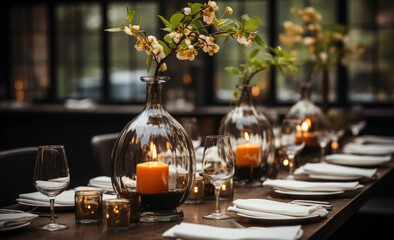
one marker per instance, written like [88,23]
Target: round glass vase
[252,139]
[311,117]
[154,160]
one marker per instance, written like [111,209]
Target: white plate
[290,220]
[15,227]
[334,178]
[306,193]
[364,163]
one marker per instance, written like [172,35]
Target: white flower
[163,67]
[128,31]
[187,10]
[229,10]
[213,5]
[309,10]
[241,39]
[323,56]
[248,43]
[209,19]
[187,41]
[309,41]
[288,25]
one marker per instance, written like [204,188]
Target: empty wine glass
[323,138]
[291,141]
[357,121]
[218,167]
[51,177]
[192,128]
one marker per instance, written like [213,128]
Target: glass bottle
[251,137]
[154,160]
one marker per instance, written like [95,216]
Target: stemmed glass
[323,138]
[218,167]
[51,177]
[291,141]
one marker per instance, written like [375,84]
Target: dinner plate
[364,163]
[306,193]
[289,220]
[15,227]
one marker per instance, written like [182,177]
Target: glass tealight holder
[196,196]
[88,206]
[116,214]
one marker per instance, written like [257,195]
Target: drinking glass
[192,128]
[323,138]
[357,121]
[218,167]
[51,177]
[291,141]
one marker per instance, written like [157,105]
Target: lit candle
[88,206]
[152,177]
[197,193]
[309,137]
[247,154]
[227,191]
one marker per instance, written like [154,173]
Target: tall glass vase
[252,139]
[312,117]
[153,159]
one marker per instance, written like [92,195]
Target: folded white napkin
[334,170]
[275,209]
[102,182]
[357,160]
[14,219]
[368,149]
[312,186]
[65,199]
[197,231]
[374,139]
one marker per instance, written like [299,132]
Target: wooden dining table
[344,207]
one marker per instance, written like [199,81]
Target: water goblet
[51,177]
[323,138]
[291,141]
[218,167]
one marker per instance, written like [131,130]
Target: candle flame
[195,189]
[246,136]
[154,153]
[306,125]
[285,162]
[334,145]
[224,187]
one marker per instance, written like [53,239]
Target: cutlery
[325,205]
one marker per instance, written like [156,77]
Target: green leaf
[149,63]
[167,23]
[197,24]
[176,18]
[253,53]
[139,21]
[167,38]
[250,27]
[233,70]
[253,21]
[117,29]
[130,15]
[195,7]
[165,47]
[260,41]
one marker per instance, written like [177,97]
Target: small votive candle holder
[88,206]
[116,214]
[197,194]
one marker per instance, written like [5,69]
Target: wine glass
[323,138]
[357,121]
[218,167]
[192,128]
[51,177]
[291,141]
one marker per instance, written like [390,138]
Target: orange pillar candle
[247,154]
[152,177]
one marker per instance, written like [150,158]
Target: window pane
[29,39]
[127,65]
[78,70]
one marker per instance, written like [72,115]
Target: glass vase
[252,140]
[154,160]
[312,117]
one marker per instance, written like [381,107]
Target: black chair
[16,173]
[102,147]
